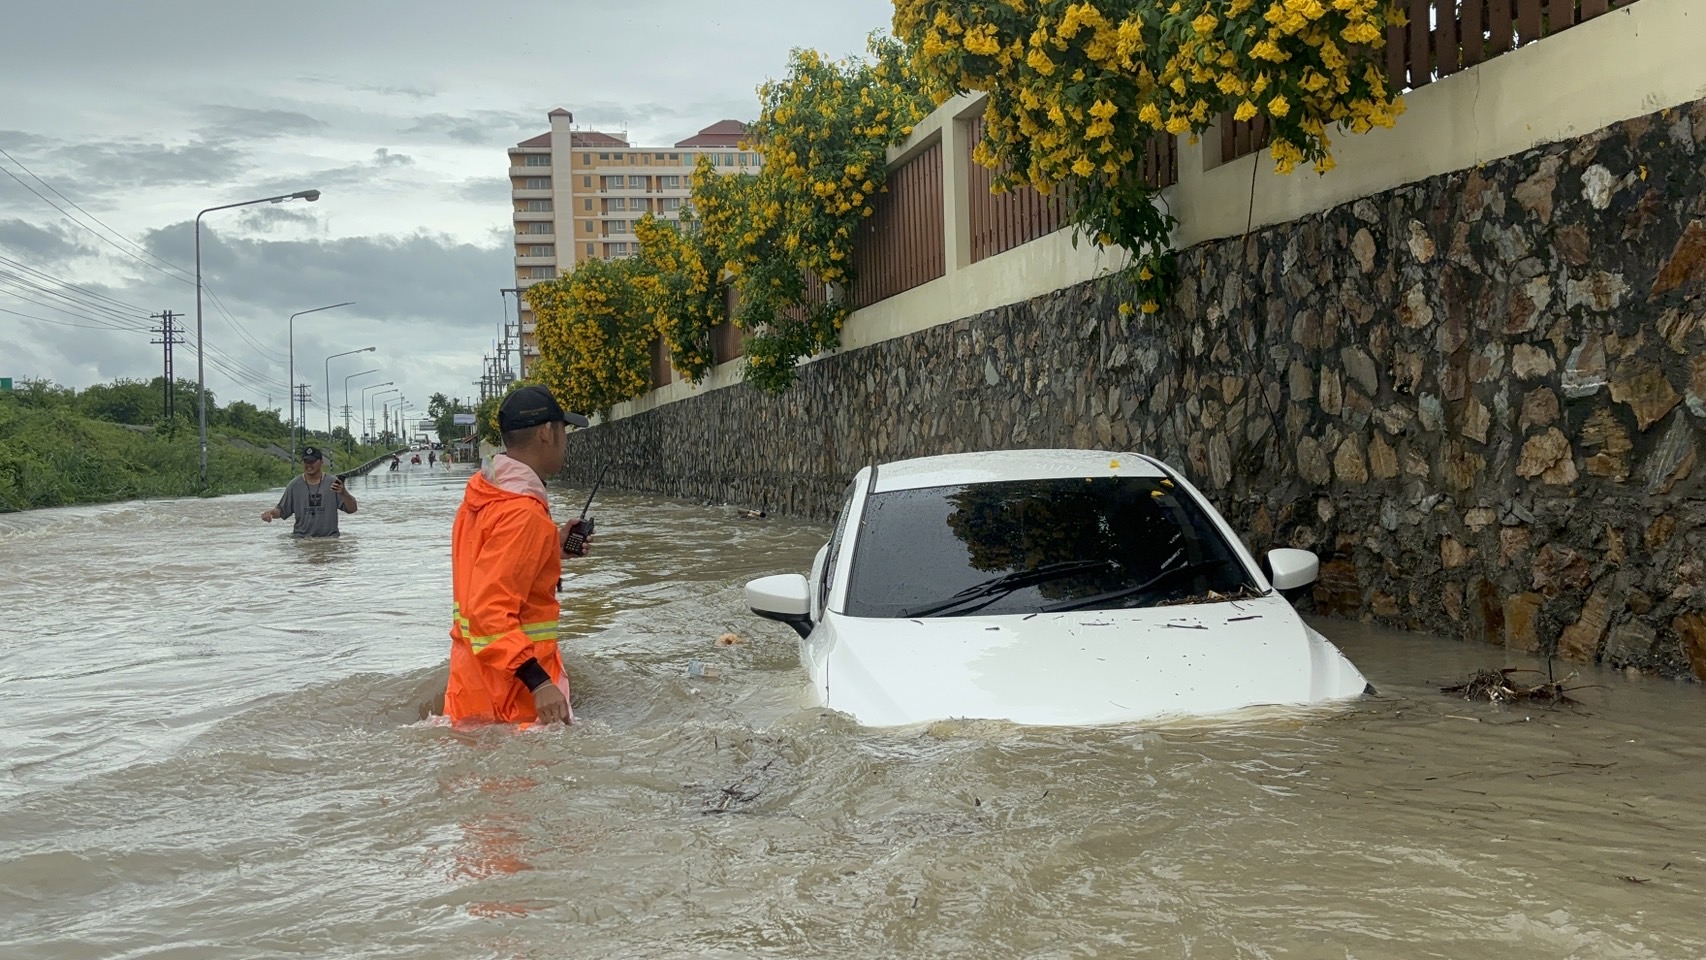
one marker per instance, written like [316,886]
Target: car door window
[829,558]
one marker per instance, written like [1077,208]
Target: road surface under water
[212,745]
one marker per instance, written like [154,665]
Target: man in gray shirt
[309,498]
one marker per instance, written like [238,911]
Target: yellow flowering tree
[594,336]
[675,276]
[823,131]
[1078,87]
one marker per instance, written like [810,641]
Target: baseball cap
[311,453]
[531,406]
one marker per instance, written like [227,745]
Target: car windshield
[1036,546]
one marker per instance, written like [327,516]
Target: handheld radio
[575,543]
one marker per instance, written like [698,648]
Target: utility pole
[302,414]
[169,335]
[521,359]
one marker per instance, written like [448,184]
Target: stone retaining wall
[1480,398]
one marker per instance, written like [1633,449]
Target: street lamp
[376,397]
[329,360]
[385,416]
[365,426]
[350,439]
[200,366]
[292,335]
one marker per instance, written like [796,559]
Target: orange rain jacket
[505,565]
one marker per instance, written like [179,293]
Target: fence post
[956,191]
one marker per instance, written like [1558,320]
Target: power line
[91,216]
[61,323]
[182,275]
[86,291]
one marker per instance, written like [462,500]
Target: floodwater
[212,745]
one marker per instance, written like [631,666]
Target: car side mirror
[784,598]
[1290,569]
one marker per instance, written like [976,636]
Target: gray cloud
[19,140]
[49,244]
[383,89]
[395,278]
[113,164]
[487,190]
[479,127]
[378,169]
[268,218]
[227,122]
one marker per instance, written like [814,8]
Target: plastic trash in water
[700,670]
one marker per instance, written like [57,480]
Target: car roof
[955,469]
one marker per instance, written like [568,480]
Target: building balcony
[534,216]
[529,327]
[525,171]
[550,261]
[530,194]
[527,238]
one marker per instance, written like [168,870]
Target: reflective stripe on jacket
[505,562]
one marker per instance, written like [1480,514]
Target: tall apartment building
[577,194]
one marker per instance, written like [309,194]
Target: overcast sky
[144,113]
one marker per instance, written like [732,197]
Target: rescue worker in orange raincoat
[506,559]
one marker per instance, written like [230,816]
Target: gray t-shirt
[314,506]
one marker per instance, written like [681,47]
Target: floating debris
[1497,686]
[729,640]
[700,670]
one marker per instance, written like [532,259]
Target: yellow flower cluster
[1060,71]
[678,292]
[594,339]
[778,236]
[824,133]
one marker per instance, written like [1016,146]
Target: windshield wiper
[1138,589]
[991,590]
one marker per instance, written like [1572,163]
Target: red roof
[723,133]
[592,138]
[543,140]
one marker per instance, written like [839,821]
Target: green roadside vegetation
[113,442]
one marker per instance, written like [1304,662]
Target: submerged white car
[1050,587]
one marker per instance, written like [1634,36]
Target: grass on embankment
[58,457]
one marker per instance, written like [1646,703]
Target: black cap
[531,406]
[311,453]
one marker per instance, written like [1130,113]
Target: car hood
[1081,667]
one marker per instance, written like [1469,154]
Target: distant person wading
[313,499]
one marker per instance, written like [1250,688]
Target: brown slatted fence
[726,340]
[1444,37]
[900,245]
[661,373]
[1001,221]
[1161,161]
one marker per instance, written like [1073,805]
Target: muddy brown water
[212,745]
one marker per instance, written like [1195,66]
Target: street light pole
[383,393]
[388,408]
[350,441]
[200,351]
[329,385]
[365,416]
[292,335]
